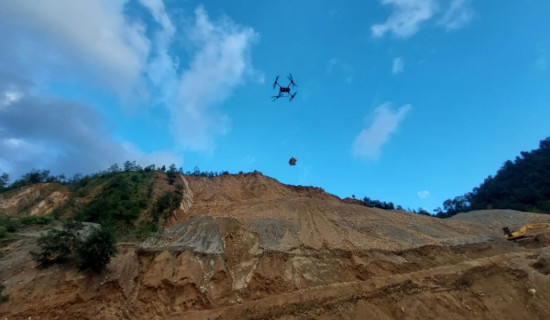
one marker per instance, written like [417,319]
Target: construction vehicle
[522,233]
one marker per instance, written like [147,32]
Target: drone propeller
[291,80]
[275,97]
[292,96]
[275,83]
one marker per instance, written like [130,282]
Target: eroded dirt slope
[37,199]
[248,247]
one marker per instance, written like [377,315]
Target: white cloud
[63,136]
[385,122]
[86,38]
[218,66]
[159,158]
[340,68]
[457,15]
[424,194]
[219,62]
[157,9]
[98,44]
[398,65]
[406,17]
[9,96]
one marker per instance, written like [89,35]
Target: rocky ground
[248,247]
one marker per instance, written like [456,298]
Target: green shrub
[92,252]
[121,200]
[57,245]
[166,204]
[95,252]
[42,220]
[9,223]
[3,232]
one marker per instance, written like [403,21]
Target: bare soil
[248,247]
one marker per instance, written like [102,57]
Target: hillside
[246,246]
[522,184]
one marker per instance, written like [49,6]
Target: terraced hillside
[246,246]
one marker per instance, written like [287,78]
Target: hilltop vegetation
[119,196]
[127,203]
[522,184]
[130,200]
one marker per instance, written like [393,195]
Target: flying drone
[284,91]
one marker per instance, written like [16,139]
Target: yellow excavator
[522,233]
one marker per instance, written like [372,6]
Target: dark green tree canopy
[522,184]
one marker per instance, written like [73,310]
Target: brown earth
[37,199]
[247,247]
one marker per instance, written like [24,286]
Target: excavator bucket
[522,232]
[507,231]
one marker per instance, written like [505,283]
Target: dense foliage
[4,180]
[371,203]
[96,251]
[57,245]
[522,184]
[121,197]
[121,200]
[31,177]
[91,249]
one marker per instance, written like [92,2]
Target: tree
[95,252]
[456,205]
[114,168]
[76,178]
[172,173]
[423,212]
[92,251]
[36,176]
[522,184]
[57,245]
[4,178]
[129,165]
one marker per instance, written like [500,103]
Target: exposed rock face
[199,234]
[246,246]
[37,199]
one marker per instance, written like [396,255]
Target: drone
[284,91]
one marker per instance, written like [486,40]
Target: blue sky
[409,101]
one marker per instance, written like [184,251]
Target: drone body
[284,91]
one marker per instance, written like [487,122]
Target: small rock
[532,291]
[402,309]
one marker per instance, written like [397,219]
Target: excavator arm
[522,232]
